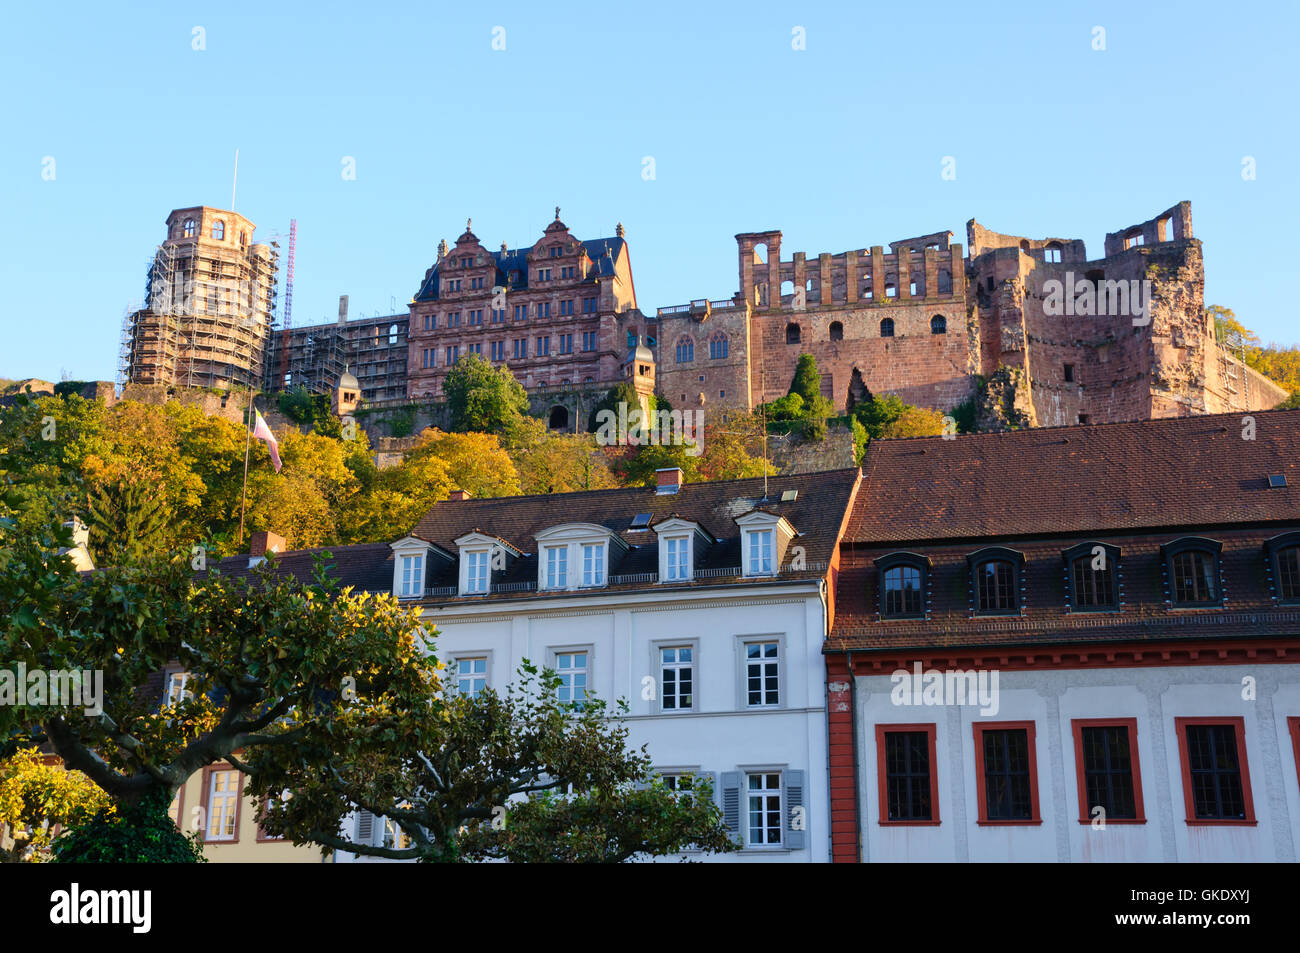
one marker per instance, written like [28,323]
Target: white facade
[1263,696]
[616,640]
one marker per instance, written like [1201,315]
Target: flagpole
[248,439]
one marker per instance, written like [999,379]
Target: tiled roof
[817,514]
[360,565]
[1153,473]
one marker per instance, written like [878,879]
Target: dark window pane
[902,591]
[1215,773]
[1093,587]
[1108,771]
[907,776]
[995,579]
[1288,566]
[1007,791]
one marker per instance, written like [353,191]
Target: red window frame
[1293,723]
[930,730]
[1078,724]
[1239,729]
[981,786]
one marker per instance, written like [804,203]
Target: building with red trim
[1071,644]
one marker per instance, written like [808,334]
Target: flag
[263,432]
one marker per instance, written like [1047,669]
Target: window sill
[1115,820]
[1222,822]
[1035,822]
[909,823]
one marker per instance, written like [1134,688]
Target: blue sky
[839,145]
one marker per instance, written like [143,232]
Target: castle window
[1133,240]
[938,324]
[887,328]
[866,288]
[792,333]
[685,350]
[1052,253]
[995,579]
[1192,568]
[189,228]
[945,282]
[219,230]
[912,287]
[718,347]
[902,584]
[392,334]
[891,287]
[1069,373]
[243,239]
[837,331]
[1024,248]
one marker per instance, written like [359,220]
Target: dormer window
[476,572]
[678,561]
[764,537]
[995,580]
[411,565]
[412,572]
[1284,560]
[902,582]
[1192,569]
[557,567]
[1091,575]
[593,564]
[760,552]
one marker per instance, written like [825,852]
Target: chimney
[343,309]
[263,543]
[668,480]
[458,495]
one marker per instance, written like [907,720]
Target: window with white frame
[678,783]
[471,675]
[394,836]
[762,673]
[677,677]
[223,804]
[412,576]
[557,567]
[760,552]
[679,560]
[593,564]
[763,793]
[177,690]
[572,669]
[476,578]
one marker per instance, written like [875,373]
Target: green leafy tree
[36,799]
[889,417]
[142,833]
[127,521]
[452,776]
[483,397]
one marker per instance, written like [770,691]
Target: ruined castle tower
[209,305]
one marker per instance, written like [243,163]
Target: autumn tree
[889,417]
[483,397]
[40,801]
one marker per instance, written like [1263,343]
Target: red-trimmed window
[1006,772]
[1106,763]
[1216,777]
[909,781]
[1294,725]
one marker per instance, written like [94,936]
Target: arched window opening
[887,328]
[837,331]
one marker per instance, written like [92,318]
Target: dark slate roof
[516,259]
[817,514]
[366,566]
[1152,473]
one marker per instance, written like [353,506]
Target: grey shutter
[731,781]
[365,828]
[795,839]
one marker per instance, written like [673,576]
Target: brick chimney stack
[264,542]
[458,495]
[668,480]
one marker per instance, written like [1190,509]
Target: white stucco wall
[1154,696]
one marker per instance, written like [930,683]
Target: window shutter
[365,828]
[795,839]
[731,781]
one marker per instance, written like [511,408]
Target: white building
[704,605]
